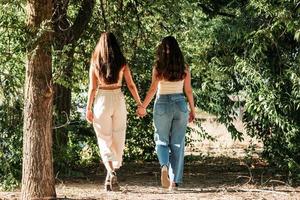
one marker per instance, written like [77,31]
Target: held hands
[89,116]
[141,111]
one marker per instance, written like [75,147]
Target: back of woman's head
[169,62]
[108,58]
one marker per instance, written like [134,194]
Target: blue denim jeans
[170,121]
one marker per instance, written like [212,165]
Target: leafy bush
[10,145]
[255,55]
[12,53]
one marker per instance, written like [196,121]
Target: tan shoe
[164,178]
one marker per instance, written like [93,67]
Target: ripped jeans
[170,118]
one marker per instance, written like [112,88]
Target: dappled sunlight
[222,144]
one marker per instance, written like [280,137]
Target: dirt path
[223,174]
[209,179]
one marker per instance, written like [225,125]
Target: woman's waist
[109,90]
[109,87]
[170,97]
[169,90]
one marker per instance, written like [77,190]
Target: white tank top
[170,87]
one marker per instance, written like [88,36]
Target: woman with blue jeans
[171,79]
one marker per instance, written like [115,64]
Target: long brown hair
[169,62]
[108,58]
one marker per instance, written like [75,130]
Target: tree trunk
[37,173]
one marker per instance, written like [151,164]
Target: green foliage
[255,55]
[12,40]
[10,144]
[139,134]
[81,149]
[242,54]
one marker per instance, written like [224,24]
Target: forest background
[242,54]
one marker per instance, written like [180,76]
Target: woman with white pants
[106,107]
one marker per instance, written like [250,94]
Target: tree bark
[37,171]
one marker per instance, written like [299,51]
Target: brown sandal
[114,185]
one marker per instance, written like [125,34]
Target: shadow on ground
[204,178]
[198,172]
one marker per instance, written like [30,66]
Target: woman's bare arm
[91,94]
[131,85]
[152,90]
[189,94]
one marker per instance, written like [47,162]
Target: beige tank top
[170,87]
